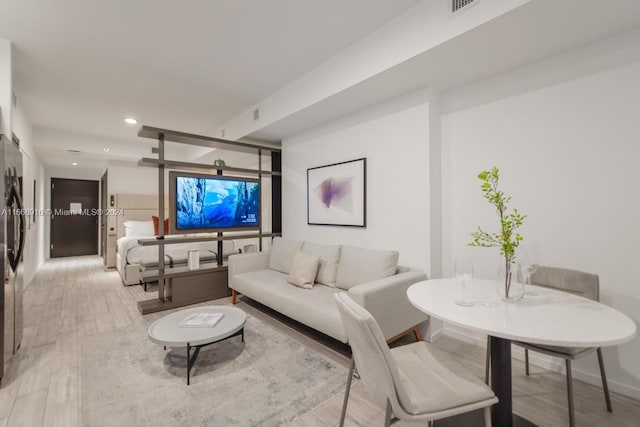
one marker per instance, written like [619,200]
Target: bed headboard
[132,207]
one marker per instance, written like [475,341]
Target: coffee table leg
[242,334]
[191,360]
[188,364]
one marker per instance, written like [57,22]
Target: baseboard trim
[543,361]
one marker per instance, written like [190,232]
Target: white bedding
[132,253]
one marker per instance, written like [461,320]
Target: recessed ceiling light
[106,150]
[130,121]
[74,164]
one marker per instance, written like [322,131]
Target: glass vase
[510,284]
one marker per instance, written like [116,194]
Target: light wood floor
[74,297]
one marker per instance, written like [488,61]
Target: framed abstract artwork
[336,194]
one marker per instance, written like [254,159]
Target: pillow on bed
[155,220]
[138,228]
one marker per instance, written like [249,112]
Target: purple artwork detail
[336,193]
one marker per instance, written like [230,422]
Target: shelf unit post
[260,198]
[161,278]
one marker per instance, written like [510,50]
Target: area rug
[266,381]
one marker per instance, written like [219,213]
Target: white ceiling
[84,65]
[536,30]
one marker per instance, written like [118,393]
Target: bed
[132,259]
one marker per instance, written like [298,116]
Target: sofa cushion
[270,288]
[358,265]
[329,258]
[318,309]
[303,269]
[282,251]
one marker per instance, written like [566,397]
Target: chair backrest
[573,281]
[371,353]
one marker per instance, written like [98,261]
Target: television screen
[213,202]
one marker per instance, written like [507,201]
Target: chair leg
[416,332]
[487,416]
[526,361]
[346,393]
[387,415]
[605,386]
[234,296]
[572,421]
[487,366]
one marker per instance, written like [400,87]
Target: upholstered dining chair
[578,283]
[415,382]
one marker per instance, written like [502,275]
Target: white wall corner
[435,185]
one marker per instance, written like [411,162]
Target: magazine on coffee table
[201,320]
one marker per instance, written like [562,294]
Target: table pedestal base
[476,419]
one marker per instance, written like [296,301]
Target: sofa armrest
[386,299]
[244,263]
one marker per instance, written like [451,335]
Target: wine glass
[528,267]
[464,271]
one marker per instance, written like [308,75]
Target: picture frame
[337,194]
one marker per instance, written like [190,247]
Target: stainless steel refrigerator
[12,239]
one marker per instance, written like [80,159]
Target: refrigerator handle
[14,197]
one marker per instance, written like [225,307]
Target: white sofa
[372,278]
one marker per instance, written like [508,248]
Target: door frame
[51,212]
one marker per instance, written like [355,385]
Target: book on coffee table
[201,320]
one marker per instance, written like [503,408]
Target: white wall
[6,88]
[564,133]
[132,180]
[32,169]
[394,138]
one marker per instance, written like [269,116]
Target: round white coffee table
[167,332]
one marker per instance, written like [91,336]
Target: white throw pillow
[359,265]
[138,228]
[303,269]
[282,252]
[329,258]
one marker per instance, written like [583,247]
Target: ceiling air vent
[458,5]
[76,152]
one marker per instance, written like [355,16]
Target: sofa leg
[416,332]
[234,296]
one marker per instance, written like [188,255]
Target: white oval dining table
[549,317]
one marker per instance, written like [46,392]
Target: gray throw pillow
[329,257]
[282,252]
[303,270]
[358,265]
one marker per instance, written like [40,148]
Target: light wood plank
[28,410]
[308,420]
[62,400]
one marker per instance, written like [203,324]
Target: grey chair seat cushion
[434,382]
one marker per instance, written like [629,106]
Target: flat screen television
[204,203]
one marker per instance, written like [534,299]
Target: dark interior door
[74,218]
